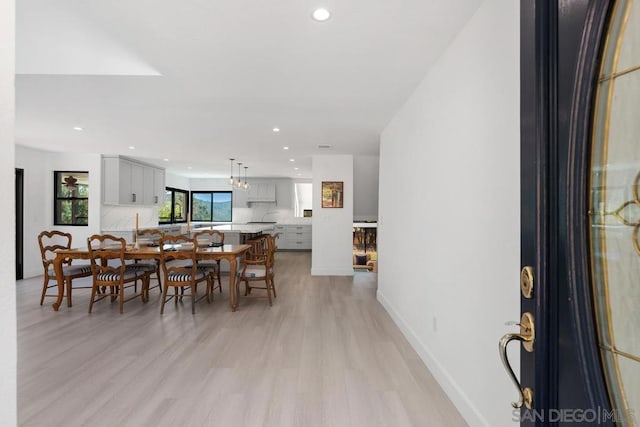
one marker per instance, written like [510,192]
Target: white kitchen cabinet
[284,194]
[158,186]
[129,178]
[149,191]
[240,198]
[127,182]
[296,236]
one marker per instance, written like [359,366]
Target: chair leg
[273,286]
[218,274]
[193,299]
[164,298]
[44,287]
[145,288]
[69,292]
[268,286]
[93,297]
[121,296]
[158,276]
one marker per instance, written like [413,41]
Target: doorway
[19,191]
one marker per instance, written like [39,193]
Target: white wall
[176,181]
[365,187]
[448,235]
[8,406]
[332,233]
[38,168]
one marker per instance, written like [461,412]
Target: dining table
[230,253]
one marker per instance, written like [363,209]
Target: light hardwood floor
[325,354]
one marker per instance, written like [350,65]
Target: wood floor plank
[325,354]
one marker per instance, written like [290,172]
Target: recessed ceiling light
[78,128]
[131,147]
[321,14]
[189,167]
[285,148]
[295,169]
[292,160]
[165,160]
[276,129]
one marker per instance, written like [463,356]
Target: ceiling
[200,81]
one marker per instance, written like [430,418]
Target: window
[211,206]
[71,192]
[175,208]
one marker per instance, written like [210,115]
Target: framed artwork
[332,194]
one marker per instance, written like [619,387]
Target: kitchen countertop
[229,227]
[238,228]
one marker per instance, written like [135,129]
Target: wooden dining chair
[111,273]
[211,238]
[261,269]
[258,248]
[49,242]
[179,267]
[149,236]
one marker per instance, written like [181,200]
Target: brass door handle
[527,338]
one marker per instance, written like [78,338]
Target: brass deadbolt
[526,281]
[527,331]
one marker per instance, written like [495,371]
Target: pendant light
[231,174]
[246,184]
[239,182]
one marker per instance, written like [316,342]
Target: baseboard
[332,271]
[466,408]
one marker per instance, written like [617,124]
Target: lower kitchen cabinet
[294,236]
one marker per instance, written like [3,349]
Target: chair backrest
[210,236]
[49,242]
[152,234]
[258,249]
[180,248]
[106,253]
[271,250]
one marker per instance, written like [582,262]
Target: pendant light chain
[231,174]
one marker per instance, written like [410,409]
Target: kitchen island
[236,234]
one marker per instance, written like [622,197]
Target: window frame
[57,197]
[212,192]
[172,219]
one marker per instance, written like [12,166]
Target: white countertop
[365,224]
[238,228]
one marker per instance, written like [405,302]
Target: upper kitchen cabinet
[129,182]
[158,186]
[284,192]
[239,198]
[153,186]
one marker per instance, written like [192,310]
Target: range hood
[263,192]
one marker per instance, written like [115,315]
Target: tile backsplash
[123,218]
[265,212]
